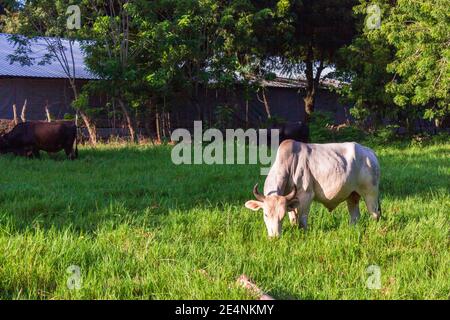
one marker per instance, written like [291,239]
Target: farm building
[38,84]
[47,85]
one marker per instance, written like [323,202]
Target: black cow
[298,131]
[28,138]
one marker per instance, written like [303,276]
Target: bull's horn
[292,194]
[258,196]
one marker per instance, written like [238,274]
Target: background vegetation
[393,62]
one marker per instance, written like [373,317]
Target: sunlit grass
[140,227]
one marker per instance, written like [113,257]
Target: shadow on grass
[109,185]
[112,186]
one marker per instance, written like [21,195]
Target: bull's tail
[379,207]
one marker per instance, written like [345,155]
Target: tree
[361,67]
[399,69]
[420,33]
[145,52]
[109,28]
[298,37]
[8,14]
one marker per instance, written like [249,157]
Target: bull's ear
[293,204]
[254,205]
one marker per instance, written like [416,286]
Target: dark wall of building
[38,92]
[285,103]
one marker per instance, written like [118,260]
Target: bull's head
[274,208]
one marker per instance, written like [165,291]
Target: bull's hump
[289,147]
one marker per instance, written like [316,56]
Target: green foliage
[318,127]
[321,130]
[223,116]
[420,33]
[273,121]
[349,133]
[362,68]
[68,116]
[402,67]
[82,101]
[384,136]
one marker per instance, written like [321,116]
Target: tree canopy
[147,52]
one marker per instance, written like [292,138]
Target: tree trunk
[169,125]
[309,105]
[147,126]
[313,82]
[92,130]
[437,123]
[158,133]
[90,126]
[163,124]
[130,124]
[266,103]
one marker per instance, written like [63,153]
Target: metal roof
[300,82]
[280,82]
[38,48]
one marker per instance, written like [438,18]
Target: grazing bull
[28,138]
[327,173]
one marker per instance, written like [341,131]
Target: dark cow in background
[297,131]
[28,138]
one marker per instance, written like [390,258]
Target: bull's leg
[36,154]
[305,204]
[70,153]
[353,207]
[293,217]
[372,203]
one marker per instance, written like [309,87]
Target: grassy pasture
[140,227]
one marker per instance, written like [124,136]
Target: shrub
[322,130]
[319,133]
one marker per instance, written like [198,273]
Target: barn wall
[37,92]
[285,103]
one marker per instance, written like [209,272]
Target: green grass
[140,227]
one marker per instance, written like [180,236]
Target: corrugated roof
[300,82]
[38,49]
[280,82]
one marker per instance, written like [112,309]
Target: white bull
[326,173]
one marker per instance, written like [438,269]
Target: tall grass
[140,227]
